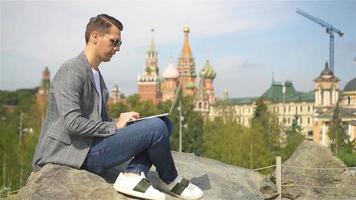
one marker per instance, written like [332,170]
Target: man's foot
[137,186]
[181,188]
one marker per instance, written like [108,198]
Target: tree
[337,132]
[133,103]
[261,114]
[294,138]
[250,147]
[225,140]
[340,142]
[16,157]
[264,124]
[192,136]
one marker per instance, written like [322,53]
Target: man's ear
[94,37]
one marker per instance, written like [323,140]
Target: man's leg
[142,162]
[147,140]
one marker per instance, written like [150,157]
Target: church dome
[171,71]
[208,72]
[190,85]
[350,86]
[186,29]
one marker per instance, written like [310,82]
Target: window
[310,136]
[348,100]
[308,120]
[301,108]
[308,108]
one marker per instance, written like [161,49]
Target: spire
[152,44]
[326,70]
[186,50]
[151,67]
[225,95]
[46,74]
[272,78]
[45,79]
[115,87]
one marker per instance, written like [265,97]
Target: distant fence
[279,166]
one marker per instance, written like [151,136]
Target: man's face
[106,44]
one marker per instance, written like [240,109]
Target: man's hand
[126,117]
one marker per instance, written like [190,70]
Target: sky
[245,41]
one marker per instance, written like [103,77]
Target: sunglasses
[115,42]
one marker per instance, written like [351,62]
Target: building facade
[314,109]
[282,99]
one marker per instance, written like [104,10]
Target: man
[78,133]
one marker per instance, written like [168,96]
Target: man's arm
[67,88]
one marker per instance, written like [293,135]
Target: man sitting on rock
[78,133]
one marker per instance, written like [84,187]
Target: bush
[349,159]
[4,191]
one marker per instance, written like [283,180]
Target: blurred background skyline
[245,41]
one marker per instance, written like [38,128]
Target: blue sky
[244,40]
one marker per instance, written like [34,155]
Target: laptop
[162,114]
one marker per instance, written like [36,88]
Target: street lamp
[181,118]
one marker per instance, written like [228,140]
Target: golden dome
[186,29]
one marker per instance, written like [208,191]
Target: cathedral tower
[186,66]
[115,94]
[206,93]
[149,82]
[326,90]
[326,97]
[42,93]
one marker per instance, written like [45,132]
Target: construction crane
[329,30]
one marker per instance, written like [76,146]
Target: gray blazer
[73,117]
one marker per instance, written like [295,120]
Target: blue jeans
[147,141]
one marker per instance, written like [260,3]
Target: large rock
[64,183]
[218,180]
[312,172]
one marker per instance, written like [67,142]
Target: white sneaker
[181,188]
[137,186]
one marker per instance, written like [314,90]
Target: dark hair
[101,23]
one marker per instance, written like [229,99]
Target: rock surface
[312,172]
[218,180]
